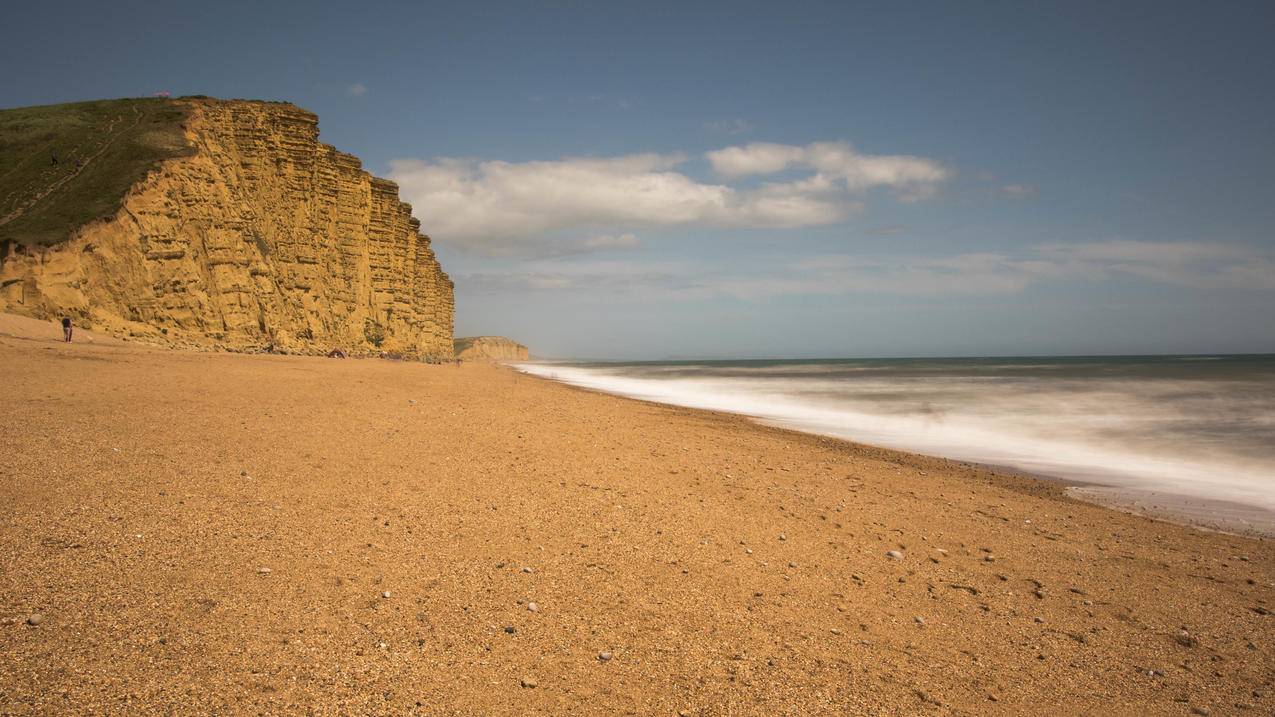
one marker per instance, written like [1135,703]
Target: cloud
[836,161]
[887,230]
[510,208]
[358,89]
[755,158]
[531,208]
[1018,191]
[610,241]
[1198,265]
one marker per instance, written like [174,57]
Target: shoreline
[289,534]
[1223,516]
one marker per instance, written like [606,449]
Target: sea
[1183,435]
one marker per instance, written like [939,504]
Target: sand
[219,533]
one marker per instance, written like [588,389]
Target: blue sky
[642,180]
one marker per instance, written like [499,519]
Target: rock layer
[489,348]
[263,237]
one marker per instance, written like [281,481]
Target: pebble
[894,555]
[919,620]
[1201,711]
[527,570]
[509,629]
[533,607]
[263,571]
[748,550]
[783,537]
[528,682]
[989,558]
[604,656]
[386,594]
[35,619]
[791,564]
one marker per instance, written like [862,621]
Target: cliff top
[63,166]
[465,342]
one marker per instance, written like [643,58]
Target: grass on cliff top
[116,143]
[464,343]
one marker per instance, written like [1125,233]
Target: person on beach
[66,328]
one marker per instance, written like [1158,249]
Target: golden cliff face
[489,348]
[263,237]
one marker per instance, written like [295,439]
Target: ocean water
[1198,427]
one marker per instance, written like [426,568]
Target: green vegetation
[463,343]
[116,142]
[373,332]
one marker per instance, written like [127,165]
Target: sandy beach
[198,533]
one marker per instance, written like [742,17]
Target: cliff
[489,348]
[256,235]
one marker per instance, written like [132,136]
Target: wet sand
[266,534]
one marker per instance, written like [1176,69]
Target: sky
[758,179]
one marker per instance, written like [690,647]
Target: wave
[1117,423]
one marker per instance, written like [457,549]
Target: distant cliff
[489,348]
[255,235]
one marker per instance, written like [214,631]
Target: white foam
[1067,443]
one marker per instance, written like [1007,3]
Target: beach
[198,533]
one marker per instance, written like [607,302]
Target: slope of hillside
[489,348]
[253,235]
[62,166]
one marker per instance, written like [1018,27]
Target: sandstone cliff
[261,236]
[490,348]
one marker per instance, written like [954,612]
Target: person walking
[66,328]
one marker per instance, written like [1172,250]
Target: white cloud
[1018,191]
[1198,265]
[836,161]
[358,89]
[507,207]
[497,207]
[611,241]
[755,158]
